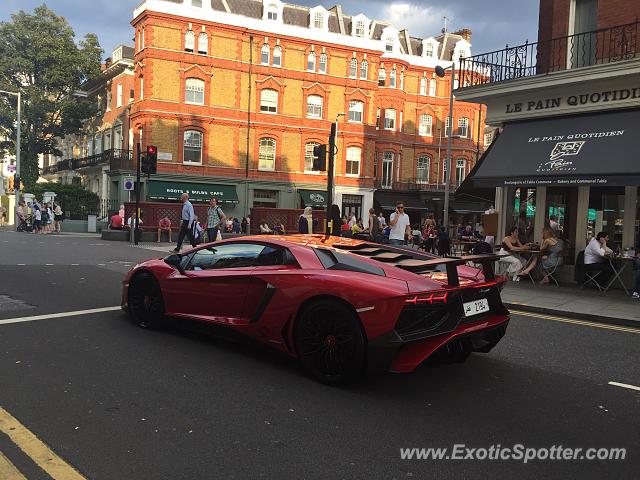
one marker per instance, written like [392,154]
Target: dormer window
[272,12]
[389,45]
[430,47]
[318,21]
[360,29]
[360,26]
[429,50]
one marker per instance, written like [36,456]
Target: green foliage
[74,199]
[40,58]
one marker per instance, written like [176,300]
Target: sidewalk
[570,301]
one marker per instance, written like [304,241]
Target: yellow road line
[8,471]
[577,322]
[42,455]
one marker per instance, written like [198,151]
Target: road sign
[129,184]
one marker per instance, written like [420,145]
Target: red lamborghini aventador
[334,303]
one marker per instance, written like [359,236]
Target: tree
[76,201]
[39,57]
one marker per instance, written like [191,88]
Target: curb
[588,317]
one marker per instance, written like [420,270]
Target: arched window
[364,70]
[265,53]
[267,154]
[382,77]
[308,156]
[425,125]
[269,100]
[353,68]
[461,165]
[390,119]
[189,41]
[192,147]
[277,56]
[354,154]
[392,79]
[311,62]
[433,84]
[423,169]
[314,106]
[360,29]
[463,127]
[402,81]
[203,43]
[194,91]
[423,86]
[323,63]
[356,107]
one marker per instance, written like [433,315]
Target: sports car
[335,304]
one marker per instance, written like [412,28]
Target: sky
[494,23]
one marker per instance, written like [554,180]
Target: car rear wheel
[145,300]
[330,342]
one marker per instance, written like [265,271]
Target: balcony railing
[116,158]
[598,47]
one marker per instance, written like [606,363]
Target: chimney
[464,33]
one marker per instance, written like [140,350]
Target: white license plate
[475,307]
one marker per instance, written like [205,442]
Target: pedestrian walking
[374,226]
[215,219]
[58,218]
[36,212]
[188,217]
[306,222]
[3,215]
[400,226]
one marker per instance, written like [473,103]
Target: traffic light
[16,183]
[150,160]
[320,158]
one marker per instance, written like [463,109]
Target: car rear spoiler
[419,262]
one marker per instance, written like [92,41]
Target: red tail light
[430,298]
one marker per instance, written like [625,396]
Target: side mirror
[175,261]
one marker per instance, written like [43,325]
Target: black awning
[387,200]
[598,149]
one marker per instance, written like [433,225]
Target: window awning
[313,198]
[598,149]
[387,200]
[198,192]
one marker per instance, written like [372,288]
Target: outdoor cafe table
[530,255]
[618,265]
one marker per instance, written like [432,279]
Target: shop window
[192,147]
[354,155]
[267,154]
[265,198]
[352,205]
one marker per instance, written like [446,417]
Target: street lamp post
[17,174]
[441,72]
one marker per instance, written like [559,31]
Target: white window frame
[141,88]
[357,112]
[364,70]
[382,77]
[308,157]
[425,125]
[360,26]
[488,138]
[429,50]
[322,63]
[189,41]
[267,146]
[433,85]
[318,20]
[387,165]
[353,156]
[425,160]
[109,99]
[389,44]
[314,106]
[461,170]
[272,12]
[311,62]
[267,104]
[196,3]
[203,43]
[446,126]
[423,86]
[277,54]
[390,119]
[353,68]
[188,142]
[392,78]
[119,95]
[265,54]
[463,127]
[402,81]
[194,87]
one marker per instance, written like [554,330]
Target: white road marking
[624,385]
[22,264]
[75,264]
[48,264]
[58,315]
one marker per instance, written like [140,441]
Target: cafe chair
[585,277]
[551,272]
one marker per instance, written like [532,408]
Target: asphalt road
[118,402]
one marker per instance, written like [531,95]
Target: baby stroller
[25,225]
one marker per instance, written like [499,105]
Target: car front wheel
[330,342]
[145,300]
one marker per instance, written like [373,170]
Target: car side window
[273,256]
[235,255]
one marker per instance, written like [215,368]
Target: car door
[215,282]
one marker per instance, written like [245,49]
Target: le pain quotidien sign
[593,98]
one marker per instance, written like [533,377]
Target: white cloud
[420,20]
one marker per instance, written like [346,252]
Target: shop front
[578,173]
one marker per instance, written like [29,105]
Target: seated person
[229,225]
[132,221]
[264,228]
[596,257]
[278,228]
[551,251]
[164,225]
[345,225]
[510,246]
[116,222]
[357,227]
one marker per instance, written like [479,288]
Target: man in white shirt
[400,226]
[595,257]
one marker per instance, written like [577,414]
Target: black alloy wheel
[145,300]
[330,342]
